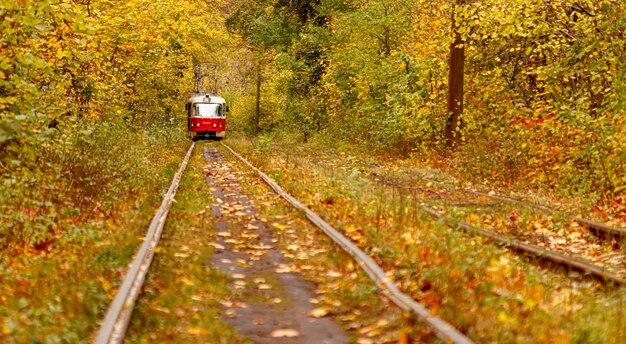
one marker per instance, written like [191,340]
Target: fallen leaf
[162,309]
[293,247]
[242,263]
[278,225]
[370,331]
[284,332]
[282,268]
[216,245]
[332,273]
[318,313]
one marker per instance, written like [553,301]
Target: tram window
[208,110]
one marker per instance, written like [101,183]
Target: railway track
[115,323]
[600,270]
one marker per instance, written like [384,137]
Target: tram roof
[201,98]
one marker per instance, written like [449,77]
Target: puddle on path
[272,304]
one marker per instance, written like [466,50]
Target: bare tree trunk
[455,85]
[257,111]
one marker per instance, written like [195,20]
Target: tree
[455,81]
[257,102]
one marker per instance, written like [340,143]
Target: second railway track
[603,271]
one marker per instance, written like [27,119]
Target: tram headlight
[197,124]
[214,125]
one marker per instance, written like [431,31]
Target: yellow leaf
[318,313]
[197,331]
[285,332]
[506,319]
[6,330]
[279,226]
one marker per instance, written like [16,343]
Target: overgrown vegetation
[85,89]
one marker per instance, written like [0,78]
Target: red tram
[206,117]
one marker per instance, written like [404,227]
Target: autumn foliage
[544,89]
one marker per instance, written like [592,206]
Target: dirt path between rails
[272,303]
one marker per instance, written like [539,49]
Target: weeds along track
[593,255]
[375,272]
[115,323]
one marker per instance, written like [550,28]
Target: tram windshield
[208,110]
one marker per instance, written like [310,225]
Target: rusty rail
[537,251]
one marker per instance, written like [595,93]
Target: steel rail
[537,251]
[601,227]
[375,272]
[115,323]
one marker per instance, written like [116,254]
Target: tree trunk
[257,110]
[455,85]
